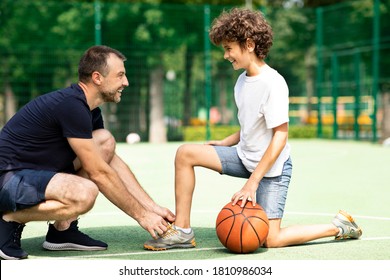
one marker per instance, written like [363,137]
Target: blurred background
[334,55]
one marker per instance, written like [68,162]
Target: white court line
[287,212]
[220,248]
[146,253]
[181,251]
[328,214]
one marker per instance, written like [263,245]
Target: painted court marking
[222,248]
[287,212]
[185,250]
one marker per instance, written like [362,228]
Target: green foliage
[198,133]
[308,131]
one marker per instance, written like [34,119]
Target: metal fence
[334,60]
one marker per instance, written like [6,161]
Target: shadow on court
[126,242]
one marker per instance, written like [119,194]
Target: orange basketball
[242,229]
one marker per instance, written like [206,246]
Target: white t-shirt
[262,103]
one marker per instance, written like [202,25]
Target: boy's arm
[230,140]
[273,151]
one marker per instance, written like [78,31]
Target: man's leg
[67,196]
[63,198]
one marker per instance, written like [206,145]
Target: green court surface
[327,176]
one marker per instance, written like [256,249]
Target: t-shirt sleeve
[75,119]
[277,105]
[97,119]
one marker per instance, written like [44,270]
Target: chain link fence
[334,60]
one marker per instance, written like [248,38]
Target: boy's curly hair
[240,24]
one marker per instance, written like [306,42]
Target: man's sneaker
[349,229]
[10,235]
[71,239]
[172,238]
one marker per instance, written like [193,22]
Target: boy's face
[238,57]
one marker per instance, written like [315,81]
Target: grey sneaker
[172,238]
[350,230]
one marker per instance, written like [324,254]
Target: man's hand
[153,223]
[165,213]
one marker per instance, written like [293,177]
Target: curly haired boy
[259,151]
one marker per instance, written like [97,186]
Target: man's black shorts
[20,189]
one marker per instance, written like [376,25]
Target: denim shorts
[272,191]
[22,189]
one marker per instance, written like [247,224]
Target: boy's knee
[183,152]
[272,242]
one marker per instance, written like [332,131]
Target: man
[56,156]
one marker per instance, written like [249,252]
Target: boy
[259,151]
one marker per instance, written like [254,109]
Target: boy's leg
[187,157]
[295,235]
[343,226]
[272,194]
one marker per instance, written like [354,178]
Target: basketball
[242,229]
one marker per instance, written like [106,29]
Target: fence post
[335,79]
[357,61]
[207,67]
[98,25]
[375,66]
[319,39]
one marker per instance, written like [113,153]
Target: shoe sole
[182,246]
[70,247]
[6,257]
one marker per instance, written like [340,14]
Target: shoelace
[170,231]
[75,228]
[18,234]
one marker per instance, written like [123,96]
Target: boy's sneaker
[172,238]
[71,239]
[10,235]
[349,229]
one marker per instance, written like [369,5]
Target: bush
[198,133]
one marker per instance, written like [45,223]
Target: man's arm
[135,189]
[112,187]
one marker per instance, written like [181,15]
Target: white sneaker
[172,238]
[349,229]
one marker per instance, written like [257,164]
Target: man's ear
[97,78]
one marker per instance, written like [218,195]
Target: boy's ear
[250,45]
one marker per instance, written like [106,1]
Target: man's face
[115,81]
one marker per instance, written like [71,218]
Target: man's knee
[106,143]
[86,197]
